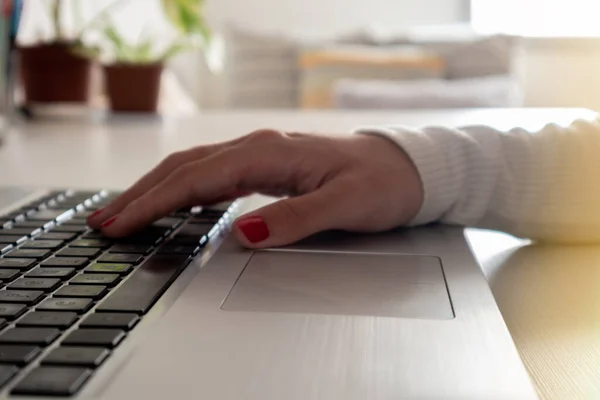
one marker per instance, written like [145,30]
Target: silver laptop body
[400,315]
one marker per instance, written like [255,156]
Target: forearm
[541,185]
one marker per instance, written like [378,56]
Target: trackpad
[406,286]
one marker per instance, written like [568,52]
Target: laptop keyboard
[70,296]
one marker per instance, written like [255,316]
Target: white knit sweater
[541,185]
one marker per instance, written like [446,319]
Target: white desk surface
[549,296]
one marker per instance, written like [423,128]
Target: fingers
[152,178]
[292,219]
[265,163]
[233,170]
[193,182]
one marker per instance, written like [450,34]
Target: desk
[549,297]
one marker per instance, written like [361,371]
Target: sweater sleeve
[542,185]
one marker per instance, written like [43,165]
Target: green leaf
[56,11]
[187,17]
[84,51]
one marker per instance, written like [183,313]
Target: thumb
[288,220]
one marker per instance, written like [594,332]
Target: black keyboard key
[121,269]
[28,253]
[47,215]
[7,275]
[21,296]
[52,381]
[6,373]
[17,263]
[18,231]
[96,279]
[19,355]
[189,240]
[149,236]
[12,311]
[130,249]
[88,291]
[205,219]
[57,236]
[69,228]
[178,249]
[9,239]
[71,262]
[168,222]
[60,320]
[98,243]
[108,338]
[69,204]
[93,235]
[110,320]
[3,323]
[180,214]
[38,336]
[218,208]
[75,222]
[29,224]
[62,206]
[77,356]
[145,285]
[76,200]
[81,194]
[89,252]
[50,272]
[120,258]
[45,284]
[197,230]
[67,304]
[43,244]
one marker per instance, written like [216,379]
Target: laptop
[181,311]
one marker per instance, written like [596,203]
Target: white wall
[563,73]
[331,16]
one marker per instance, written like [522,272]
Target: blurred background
[185,56]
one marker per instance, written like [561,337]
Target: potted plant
[133,71]
[50,71]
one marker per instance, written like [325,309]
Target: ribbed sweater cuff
[426,156]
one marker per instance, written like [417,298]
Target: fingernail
[254,228]
[108,222]
[96,213]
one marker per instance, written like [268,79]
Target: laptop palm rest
[366,284]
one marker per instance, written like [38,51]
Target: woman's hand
[357,183]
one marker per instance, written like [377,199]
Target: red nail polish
[108,222]
[96,213]
[254,228]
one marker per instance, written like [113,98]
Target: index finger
[203,182]
[152,178]
[179,189]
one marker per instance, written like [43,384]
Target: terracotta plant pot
[133,88]
[52,74]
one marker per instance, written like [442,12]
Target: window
[537,18]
